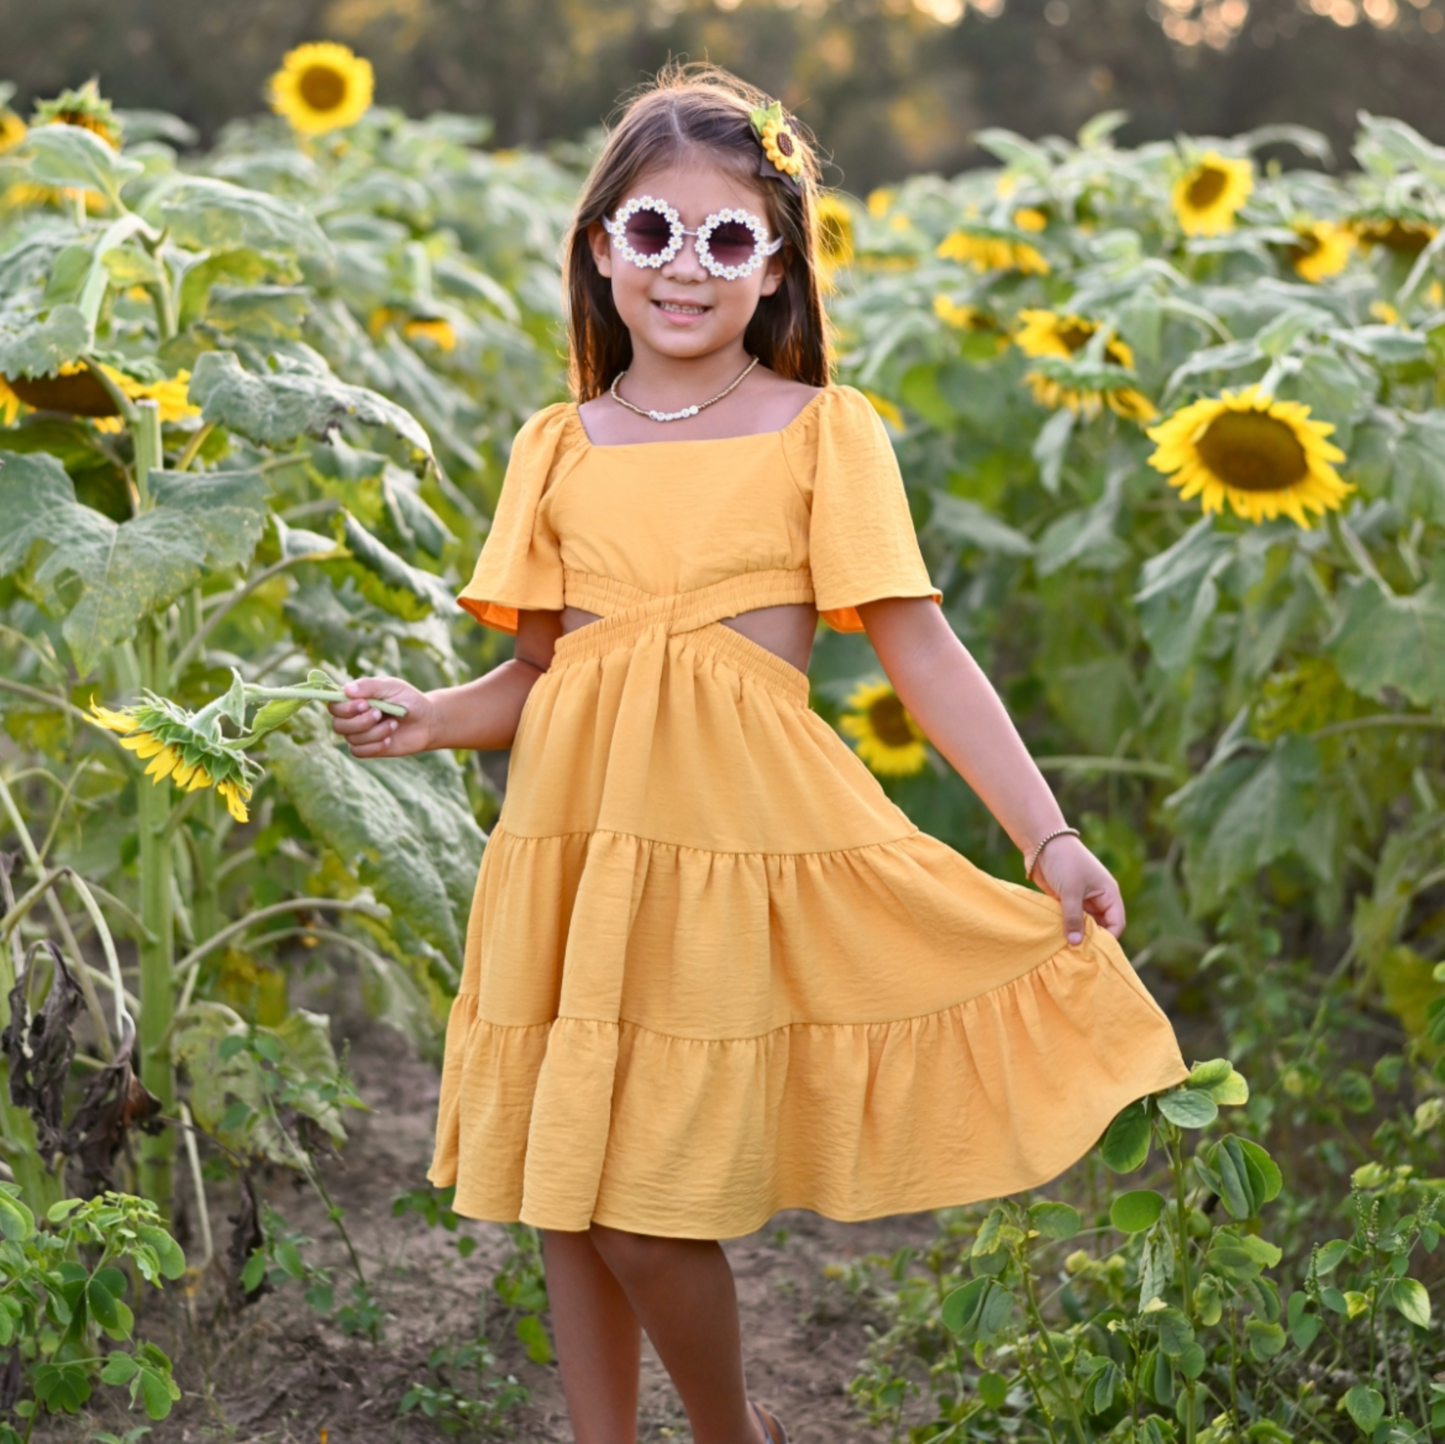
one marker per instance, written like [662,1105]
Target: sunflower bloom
[1030,218]
[433,329]
[1045,333]
[183,747]
[13,130]
[880,202]
[235,800]
[1208,196]
[1322,250]
[10,404]
[322,87]
[887,739]
[1405,235]
[993,252]
[833,222]
[1266,458]
[171,396]
[85,108]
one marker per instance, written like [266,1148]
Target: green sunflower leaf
[104,577]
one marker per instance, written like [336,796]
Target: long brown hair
[697,107]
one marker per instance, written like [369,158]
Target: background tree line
[891,86]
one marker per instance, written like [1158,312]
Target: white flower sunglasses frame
[762,246]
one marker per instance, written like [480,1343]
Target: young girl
[712,971]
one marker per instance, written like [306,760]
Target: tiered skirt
[713,972]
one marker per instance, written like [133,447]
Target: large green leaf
[1384,641]
[386,580]
[404,825]
[104,577]
[69,155]
[1246,811]
[1179,591]
[213,215]
[280,406]
[972,525]
[33,343]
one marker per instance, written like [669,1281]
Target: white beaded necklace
[686,410]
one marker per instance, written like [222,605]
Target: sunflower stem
[157,950]
[146,435]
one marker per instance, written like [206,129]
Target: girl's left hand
[1068,871]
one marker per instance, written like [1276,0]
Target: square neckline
[575,415]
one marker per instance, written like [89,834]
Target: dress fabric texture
[711,970]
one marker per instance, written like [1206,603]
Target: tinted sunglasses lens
[648,233]
[732,243]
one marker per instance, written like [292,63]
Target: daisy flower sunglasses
[730,243]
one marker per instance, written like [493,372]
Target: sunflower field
[1173,425]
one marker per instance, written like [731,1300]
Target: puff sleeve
[861,543]
[520,566]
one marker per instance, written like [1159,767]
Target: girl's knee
[629,1253]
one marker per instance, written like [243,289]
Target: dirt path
[278,1374]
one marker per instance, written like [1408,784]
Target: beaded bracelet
[1057,832]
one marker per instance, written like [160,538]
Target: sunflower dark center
[890,722]
[1075,336]
[784,142]
[1254,452]
[1207,187]
[1402,236]
[322,87]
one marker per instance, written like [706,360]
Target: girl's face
[680,310]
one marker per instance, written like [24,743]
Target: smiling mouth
[679,308]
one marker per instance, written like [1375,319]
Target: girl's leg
[599,1340]
[682,1291]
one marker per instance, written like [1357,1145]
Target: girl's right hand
[370,733]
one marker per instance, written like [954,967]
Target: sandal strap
[768,1421]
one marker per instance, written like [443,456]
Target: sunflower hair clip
[784,156]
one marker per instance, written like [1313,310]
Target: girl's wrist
[1035,853]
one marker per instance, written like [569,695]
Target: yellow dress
[712,971]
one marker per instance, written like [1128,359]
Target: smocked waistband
[744,592]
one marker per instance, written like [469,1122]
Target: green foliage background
[1245,719]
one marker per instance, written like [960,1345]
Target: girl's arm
[480,715]
[960,713]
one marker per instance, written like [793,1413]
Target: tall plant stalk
[157,944]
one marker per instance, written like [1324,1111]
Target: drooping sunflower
[77,390]
[10,404]
[990,250]
[1405,234]
[1322,250]
[13,130]
[1047,334]
[171,396]
[833,222]
[1266,458]
[887,739]
[436,329]
[165,733]
[322,86]
[1208,196]
[85,107]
